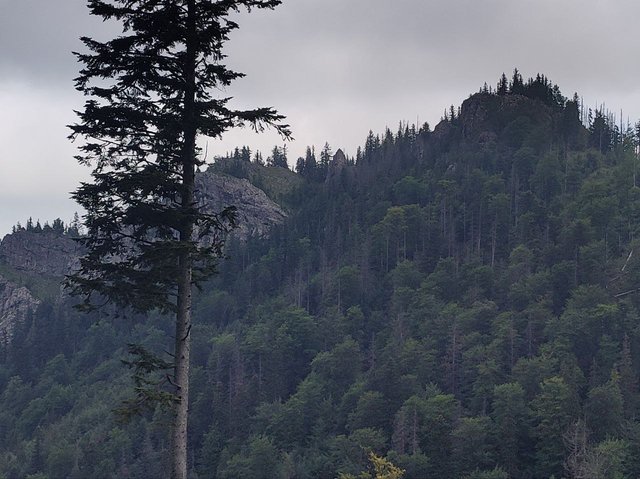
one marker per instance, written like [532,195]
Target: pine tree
[148,239]
[278,157]
[517,85]
[257,159]
[510,416]
[503,85]
[310,169]
[628,381]
[553,410]
[58,226]
[325,155]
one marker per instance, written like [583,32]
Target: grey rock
[42,253]
[49,254]
[256,212]
[53,255]
[15,303]
[336,165]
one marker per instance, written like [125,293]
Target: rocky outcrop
[51,254]
[338,163]
[42,253]
[483,118]
[15,303]
[256,213]
[46,254]
[483,113]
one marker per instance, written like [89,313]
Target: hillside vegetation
[461,301]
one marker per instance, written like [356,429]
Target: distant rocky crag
[256,212]
[32,263]
[51,254]
[43,257]
[15,304]
[44,253]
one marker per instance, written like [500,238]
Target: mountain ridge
[462,301]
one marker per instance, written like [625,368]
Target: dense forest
[462,301]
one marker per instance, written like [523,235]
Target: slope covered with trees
[461,301]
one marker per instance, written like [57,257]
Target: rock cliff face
[15,304]
[256,212]
[490,113]
[483,117]
[42,253]
[51,255]
[336,165]
[54,255]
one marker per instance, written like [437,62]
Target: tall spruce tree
[148,239]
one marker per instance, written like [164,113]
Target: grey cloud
[38,36]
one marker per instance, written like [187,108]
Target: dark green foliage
[151,379]
[472,447]
[511,425]
[464,302]
[152,91]
[604,412]
[140,131]
[278,157]
[553,413]
[259,459]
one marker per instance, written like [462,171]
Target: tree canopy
[462,302]
[152,91]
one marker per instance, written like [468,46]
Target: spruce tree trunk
[181,374]
[183,316]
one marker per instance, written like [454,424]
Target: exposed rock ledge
[257,213]
[54,255]
[15,303]
[42,253]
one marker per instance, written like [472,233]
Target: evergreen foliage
[148,239]
[462,302]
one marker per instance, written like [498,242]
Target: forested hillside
[463,301]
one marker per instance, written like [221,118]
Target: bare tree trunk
[387,265]
[494,241]
[372,355]
[182,349]
[414,431]
[480,227]
[181,373]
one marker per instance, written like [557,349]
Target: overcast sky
[335,68]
